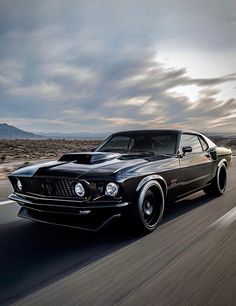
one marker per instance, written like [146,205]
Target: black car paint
[179,175]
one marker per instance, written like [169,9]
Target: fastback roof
[157,130]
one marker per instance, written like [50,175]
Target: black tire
[147,213]
[219,183]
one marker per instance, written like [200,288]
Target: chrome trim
[45,198]
[19,199]
[49,198]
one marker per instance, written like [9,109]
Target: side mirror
[187,149]
[213,153]
[93,149]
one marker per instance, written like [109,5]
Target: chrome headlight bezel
[79,190]
[19,185]
[112,189]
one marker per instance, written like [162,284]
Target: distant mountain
[220,134]
[12,132]
[79,136]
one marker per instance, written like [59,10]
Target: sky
[104,66]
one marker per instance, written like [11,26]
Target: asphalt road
[189,260]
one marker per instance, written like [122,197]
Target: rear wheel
[218,185]
[148,211]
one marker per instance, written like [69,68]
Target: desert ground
[17,153]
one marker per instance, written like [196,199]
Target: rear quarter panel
[224,153]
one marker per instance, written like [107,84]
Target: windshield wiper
[114,150]
[140,153]
[148,153]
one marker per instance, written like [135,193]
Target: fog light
[112,189]
[19,185]
[79,190]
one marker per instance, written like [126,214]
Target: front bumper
[69,213]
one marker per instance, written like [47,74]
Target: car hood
[88,164]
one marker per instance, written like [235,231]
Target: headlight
[19,185]
[79,190]
[112,189]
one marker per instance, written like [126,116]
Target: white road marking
[6,202]
[226,219]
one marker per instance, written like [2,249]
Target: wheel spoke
[150,210]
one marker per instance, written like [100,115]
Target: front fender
[223,161]
[156,177]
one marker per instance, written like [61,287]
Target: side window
[204,144]
[164,143]
[191,140]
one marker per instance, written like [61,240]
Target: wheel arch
[222,161]
[154,177]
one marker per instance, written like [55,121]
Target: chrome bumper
[22,199]
[68,213]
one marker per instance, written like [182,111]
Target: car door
[195,166]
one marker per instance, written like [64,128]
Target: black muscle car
[132,174]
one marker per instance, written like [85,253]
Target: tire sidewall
[141,198]
[222,166]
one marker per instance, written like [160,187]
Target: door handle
[208,155]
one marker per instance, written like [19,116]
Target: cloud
[43,91]
[72,65]
[10,72]
[78,74]
[127,93]
[214,81]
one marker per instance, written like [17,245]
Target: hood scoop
[88,158]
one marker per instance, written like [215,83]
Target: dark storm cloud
[214,81]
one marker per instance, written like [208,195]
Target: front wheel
[149,209]
[218,185]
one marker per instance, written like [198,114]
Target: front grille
[59,187]
[50,187]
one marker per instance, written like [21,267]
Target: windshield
[157,143]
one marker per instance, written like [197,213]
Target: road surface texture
[189,260]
